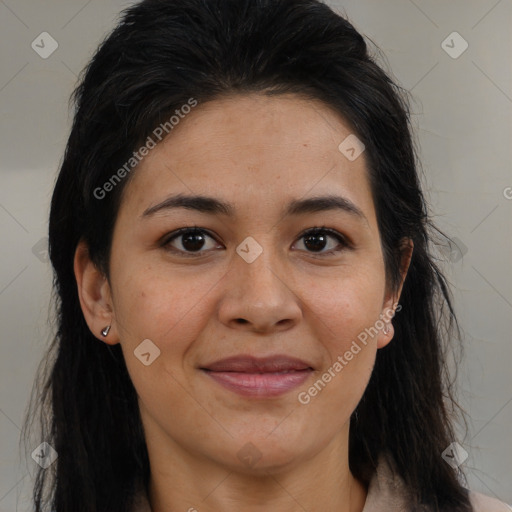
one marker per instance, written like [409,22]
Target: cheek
[169,309]
[344,314]
[345,308]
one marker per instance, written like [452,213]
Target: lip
[259,377]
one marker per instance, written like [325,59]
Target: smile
[259,377]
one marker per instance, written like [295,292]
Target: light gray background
[462,111]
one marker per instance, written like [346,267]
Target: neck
[181,481]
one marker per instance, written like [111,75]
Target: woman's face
[254,283]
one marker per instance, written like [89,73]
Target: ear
[95,295]
[390,303]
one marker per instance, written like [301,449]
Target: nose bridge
[259,291]
[258,263]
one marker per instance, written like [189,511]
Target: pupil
[193,242]
[315,246]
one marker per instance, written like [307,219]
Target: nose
[259,296]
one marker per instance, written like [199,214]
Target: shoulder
[387,491]
[483,503]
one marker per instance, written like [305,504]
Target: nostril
[241,320]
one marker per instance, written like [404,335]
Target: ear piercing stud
[386,329]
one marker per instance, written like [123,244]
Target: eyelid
[330,231]
[166,240]
[344,243]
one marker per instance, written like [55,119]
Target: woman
[249,316]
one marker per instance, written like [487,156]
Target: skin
[257,153]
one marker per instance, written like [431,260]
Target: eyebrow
[214,206]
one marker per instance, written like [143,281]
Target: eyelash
[310,231]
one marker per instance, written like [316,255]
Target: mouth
[259,377]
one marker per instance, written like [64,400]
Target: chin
[260,455]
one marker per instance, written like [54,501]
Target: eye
[188,241]
[194,241]
[317,239]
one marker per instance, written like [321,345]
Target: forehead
[256,150]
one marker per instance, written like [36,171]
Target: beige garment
[386,493]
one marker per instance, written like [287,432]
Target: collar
[386,491]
